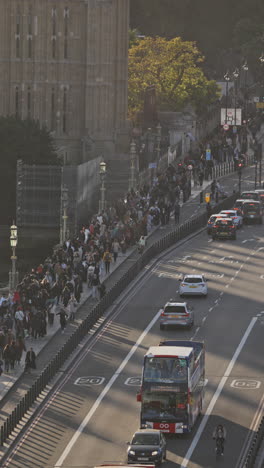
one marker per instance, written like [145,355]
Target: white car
[195,285]
[235,215]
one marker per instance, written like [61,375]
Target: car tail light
[235,217]
[162,313]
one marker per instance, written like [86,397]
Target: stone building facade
[64,63]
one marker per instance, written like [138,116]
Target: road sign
[153,165]
[207,197]
[208,154]
[226,127]
[260,105]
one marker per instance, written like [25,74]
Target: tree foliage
[20,139]
[173,67]
[26,140]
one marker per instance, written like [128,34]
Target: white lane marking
[210,310]
[245,384]
[88,381]
[217,394]
[97,402]
[221,293]
[247,240]
[204,319]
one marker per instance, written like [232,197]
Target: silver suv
[176,313]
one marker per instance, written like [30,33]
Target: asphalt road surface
[93,411]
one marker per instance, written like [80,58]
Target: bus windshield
[165,370]
[164,405]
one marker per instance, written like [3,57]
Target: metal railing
[254,447]
[97,311]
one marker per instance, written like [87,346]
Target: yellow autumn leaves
[173,67]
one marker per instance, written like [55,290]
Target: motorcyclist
[219,434]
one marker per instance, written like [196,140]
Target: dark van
[252,212]
[250,196]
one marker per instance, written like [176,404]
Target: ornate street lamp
[227,79]
[102,173]
[13,274]
[64,215]
[245,68]
[236,75]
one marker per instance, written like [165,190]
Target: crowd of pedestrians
[54,288]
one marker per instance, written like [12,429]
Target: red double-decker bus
[172,389]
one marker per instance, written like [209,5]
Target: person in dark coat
[13,354]
[30,361]
[63,318]
[177,209]
[6,357]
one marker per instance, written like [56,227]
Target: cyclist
[219,434]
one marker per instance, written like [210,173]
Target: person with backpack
[107,259]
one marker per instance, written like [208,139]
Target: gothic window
[53,110]
[53,45]
[30,33]
[30,21]
[29,102]
[66,31]
[54,32]
[64,110]
[17,36]
[17,102]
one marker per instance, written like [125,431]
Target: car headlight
[154,453]
[131,452]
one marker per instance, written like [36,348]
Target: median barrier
[252,453]
[97,311]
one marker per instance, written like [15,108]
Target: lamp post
[235,75]
[239,171]
[13,274]
[245,68]
[133,152]
[261,59]
[64,215]
[158,140]
[102,174]
[227,79]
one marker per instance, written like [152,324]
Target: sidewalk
[191,208]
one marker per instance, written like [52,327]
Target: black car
[224,228]
[147,446]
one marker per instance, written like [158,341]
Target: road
[93,412]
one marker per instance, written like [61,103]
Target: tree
[20,139]
[173,67]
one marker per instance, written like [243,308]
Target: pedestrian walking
[6,357]
[63,318]
[13,354]
[213,188]
[177,210]
[208,209]
[30,361]
[201,178]
[71,307]
[116,248]
[20,344]
[95,284]
[107,259]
